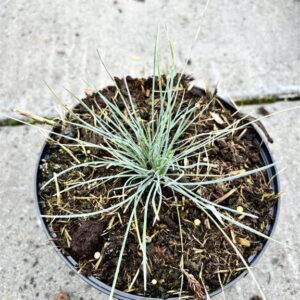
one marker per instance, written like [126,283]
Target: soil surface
[210,262]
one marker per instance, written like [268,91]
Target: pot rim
[252,260]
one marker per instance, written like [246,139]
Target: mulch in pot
[208,258]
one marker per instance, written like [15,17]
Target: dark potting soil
[210,262]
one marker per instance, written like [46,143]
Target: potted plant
[155,188]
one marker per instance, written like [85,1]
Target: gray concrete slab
[251,47]
[30,269]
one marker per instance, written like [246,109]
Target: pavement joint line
[267,99]
[7,122]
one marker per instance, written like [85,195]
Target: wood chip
[207,223]
[199,104]
[185,162]
[217,118]
[244,242]
[236,172]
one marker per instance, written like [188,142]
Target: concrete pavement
[250,47]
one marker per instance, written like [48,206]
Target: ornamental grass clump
[156,187]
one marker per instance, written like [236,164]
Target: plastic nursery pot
[91,280]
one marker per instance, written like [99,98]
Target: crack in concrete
[267,100]
[240,102]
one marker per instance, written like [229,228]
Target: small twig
[38,119]
[195,285]
[224,197]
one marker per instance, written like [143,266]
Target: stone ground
[251,48]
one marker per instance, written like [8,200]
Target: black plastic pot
[272,174]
